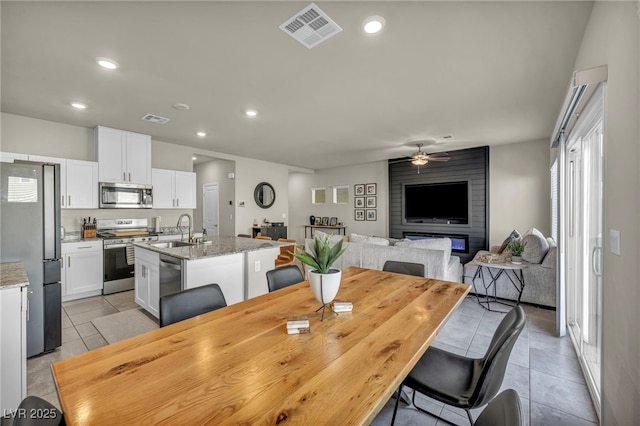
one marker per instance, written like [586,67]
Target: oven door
[118,272]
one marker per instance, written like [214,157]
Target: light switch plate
[614,241]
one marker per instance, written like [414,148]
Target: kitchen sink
[171,244]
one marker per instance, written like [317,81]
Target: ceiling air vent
[155,119]
[311,26]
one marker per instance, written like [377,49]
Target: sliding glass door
[584,223]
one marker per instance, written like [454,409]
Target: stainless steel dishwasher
[170,274]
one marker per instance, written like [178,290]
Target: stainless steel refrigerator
[30,233]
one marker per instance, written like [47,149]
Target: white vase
[516,259]
[325,286]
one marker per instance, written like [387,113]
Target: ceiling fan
[421,158]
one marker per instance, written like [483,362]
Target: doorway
[210,208]
[584,180]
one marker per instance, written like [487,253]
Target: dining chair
[259,236]
[464,382]
[244,235]
[35,411]
[284,277]
[503,410]
[407,268]
[189,303]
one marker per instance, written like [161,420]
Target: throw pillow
[536,246]
[514,235]
[364,239]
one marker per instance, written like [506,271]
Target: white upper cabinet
[78,182]
[123,157]
[173,189]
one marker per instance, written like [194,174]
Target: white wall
[212,172]
[250,173]
[612,37]
[300,206]
[519,189]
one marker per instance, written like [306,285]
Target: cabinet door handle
[62,200]
[84,247]
[69,262]
[124,176]
[69,203]
[177,202]
[129,176]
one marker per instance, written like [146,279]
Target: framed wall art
[372,215]
[358,189]
[359,214]
[358,202]
[371,188]
[371,202]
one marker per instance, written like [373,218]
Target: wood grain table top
[238,365]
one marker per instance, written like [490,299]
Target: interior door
[210,208]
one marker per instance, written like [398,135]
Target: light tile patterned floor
[543,369]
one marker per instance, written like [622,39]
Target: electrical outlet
[256,266]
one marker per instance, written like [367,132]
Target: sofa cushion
[364,239]
[536,246]
[514,235]
[429,243]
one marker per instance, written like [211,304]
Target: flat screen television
[446,202]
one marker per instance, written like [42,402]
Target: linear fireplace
[459,242]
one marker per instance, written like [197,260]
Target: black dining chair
[407,268]
[283,276]
[35,411]
[189,303]
[464,382]
[503,410]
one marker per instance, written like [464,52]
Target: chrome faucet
[179,225]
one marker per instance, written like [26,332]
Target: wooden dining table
[238,365]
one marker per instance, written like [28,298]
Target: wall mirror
[318,195]
[341,194]
[264,195]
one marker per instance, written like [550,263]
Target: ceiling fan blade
[438,158]
[399,160]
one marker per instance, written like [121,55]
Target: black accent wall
[467,164]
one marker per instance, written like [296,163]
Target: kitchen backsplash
[72,219]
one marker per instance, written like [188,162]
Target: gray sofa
[539,276]
[438,263]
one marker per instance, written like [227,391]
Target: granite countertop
[215,246]
[12,274]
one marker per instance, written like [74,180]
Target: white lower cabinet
[226,271]
[147,280]
[82,269]
[13,347]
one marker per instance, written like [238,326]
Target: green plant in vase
[516,247]
[324,280]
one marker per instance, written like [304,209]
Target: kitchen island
[237,265]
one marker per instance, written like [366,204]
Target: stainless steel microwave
[125,196]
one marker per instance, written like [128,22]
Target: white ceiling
[485,72]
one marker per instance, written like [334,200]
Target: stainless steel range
[119,260]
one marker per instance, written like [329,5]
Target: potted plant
[324,280]
[516,247]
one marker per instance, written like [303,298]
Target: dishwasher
[170,274]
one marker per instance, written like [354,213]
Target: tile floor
[543,369]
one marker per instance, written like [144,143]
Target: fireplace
[459,242]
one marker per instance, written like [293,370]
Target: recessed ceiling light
[373,24]
[251,113]
[78,105]
[194,158]
[201,134]
[107,63]
[182,107]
